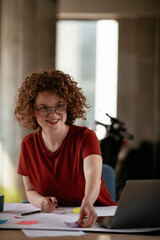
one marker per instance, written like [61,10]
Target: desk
[18,235]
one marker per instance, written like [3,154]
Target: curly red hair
[55,82]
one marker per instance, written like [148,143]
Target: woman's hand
[87,211]
[48,204]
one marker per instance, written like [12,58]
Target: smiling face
[52,121]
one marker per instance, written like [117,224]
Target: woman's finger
[89,222]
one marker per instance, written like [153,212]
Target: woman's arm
[47,204]
[92,172]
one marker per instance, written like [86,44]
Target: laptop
[138,207]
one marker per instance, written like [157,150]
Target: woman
[60,163]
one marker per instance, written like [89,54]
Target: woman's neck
[53,140]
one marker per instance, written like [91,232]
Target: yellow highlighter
[76,210]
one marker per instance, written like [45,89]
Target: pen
[29,213]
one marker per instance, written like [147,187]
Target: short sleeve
[22,166]
[90,144]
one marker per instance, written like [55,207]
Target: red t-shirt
[60,174]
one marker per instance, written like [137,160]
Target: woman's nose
[52,111]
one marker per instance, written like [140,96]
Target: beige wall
[98,9]
[27,44]
[138,77]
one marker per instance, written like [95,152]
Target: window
[88,51]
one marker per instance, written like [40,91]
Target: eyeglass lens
[44,111]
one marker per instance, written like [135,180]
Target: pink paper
[27,222]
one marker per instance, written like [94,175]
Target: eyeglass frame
[49,109]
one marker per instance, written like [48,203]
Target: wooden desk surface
[18,235]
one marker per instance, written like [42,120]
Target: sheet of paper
[53,221]
[51,233]
[106,210]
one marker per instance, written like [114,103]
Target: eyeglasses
[45,111]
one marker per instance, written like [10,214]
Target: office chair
[108,174]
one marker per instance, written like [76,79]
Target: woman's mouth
[53,122]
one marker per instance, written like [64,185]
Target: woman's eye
[59,106]
[43,108]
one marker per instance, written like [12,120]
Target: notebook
[138,207]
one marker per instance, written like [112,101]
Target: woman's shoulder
[77,128]
[81,130]
[31,137]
